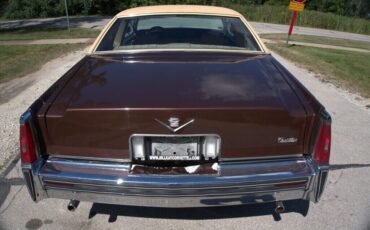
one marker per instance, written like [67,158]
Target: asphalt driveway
[345,203]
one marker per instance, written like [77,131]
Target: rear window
[178,32]
[190,22]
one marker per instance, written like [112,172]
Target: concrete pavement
[265,28]
[316,45]
[48,41]
[345,203]
[97,22]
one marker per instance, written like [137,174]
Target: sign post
[65,4]
[296,6]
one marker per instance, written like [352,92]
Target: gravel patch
[32,85]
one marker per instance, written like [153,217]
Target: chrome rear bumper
[235,183]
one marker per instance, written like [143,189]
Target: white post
[65,4]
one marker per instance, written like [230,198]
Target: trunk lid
[242,98]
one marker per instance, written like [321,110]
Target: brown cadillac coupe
[176,106]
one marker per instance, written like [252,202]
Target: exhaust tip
[279,207]
[72,205]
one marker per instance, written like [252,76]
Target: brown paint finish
[247,99]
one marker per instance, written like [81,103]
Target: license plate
[170,149]
[167,151]
[174,147]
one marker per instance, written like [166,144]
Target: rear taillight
[322,150]
[27,147]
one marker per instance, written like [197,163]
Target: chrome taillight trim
[326,116]
[31,175]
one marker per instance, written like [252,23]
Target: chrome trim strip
[321,182]
[25,117]
[27,174]
[58,156]
[326,116]
[174,189]
[33,182]
[132,51]
[231,174]
[179,201]
[176,135]
[285,156]
[177,196]
[178,13]
[90,164]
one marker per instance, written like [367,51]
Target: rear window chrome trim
[132,51]
[179,13]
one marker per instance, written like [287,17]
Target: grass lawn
[343,68]
[19,60]
[47,33]
[280,14]
[319,40]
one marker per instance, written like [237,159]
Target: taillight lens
[322,150]
[27,147]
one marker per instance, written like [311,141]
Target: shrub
[275,11]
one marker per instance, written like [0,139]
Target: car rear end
[177,126]
[207,181]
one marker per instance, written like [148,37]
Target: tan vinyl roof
[173,9]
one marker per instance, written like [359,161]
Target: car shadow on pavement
[294,206]
[7,183]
